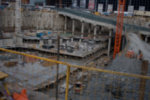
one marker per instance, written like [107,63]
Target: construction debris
[86,39]
[11,64]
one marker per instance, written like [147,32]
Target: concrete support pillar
[95,32]
[89,30]
[109,42]
[61,41]
[146,39]
[65,26]
[82,30]
[41,43]
[50,42]
[106,5]
[18,23]
[52,21]
[71,39]
[73,26]
[19,41]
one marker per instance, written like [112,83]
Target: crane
[119,27]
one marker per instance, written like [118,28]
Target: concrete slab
[3,75]
[33,75]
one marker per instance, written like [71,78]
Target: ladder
[119,27]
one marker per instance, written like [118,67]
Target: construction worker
[130,53]
[140,55]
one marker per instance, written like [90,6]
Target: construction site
[74,49]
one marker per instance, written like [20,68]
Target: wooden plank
[3,75]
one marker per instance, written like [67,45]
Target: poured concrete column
[65,26]
[95,32]
[146,38]
[72,39]
[41,43]
[109,42]
[61,41]
[52,22]
[89,30]
[73,26]
[18,24]
[82,30]
[50,42]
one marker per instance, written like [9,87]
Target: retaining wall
[32,20]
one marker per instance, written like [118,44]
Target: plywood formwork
[3,75]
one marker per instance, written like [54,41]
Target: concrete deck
[33,76]
[98,20]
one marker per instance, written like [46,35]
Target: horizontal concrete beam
[98,20]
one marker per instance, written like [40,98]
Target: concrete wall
[32,20]
[32,2]
[6,42]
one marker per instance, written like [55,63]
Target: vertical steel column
[67,82]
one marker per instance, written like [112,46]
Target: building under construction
[74,50]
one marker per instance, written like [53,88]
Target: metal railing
[90,69]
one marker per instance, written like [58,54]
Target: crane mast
[119,27]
